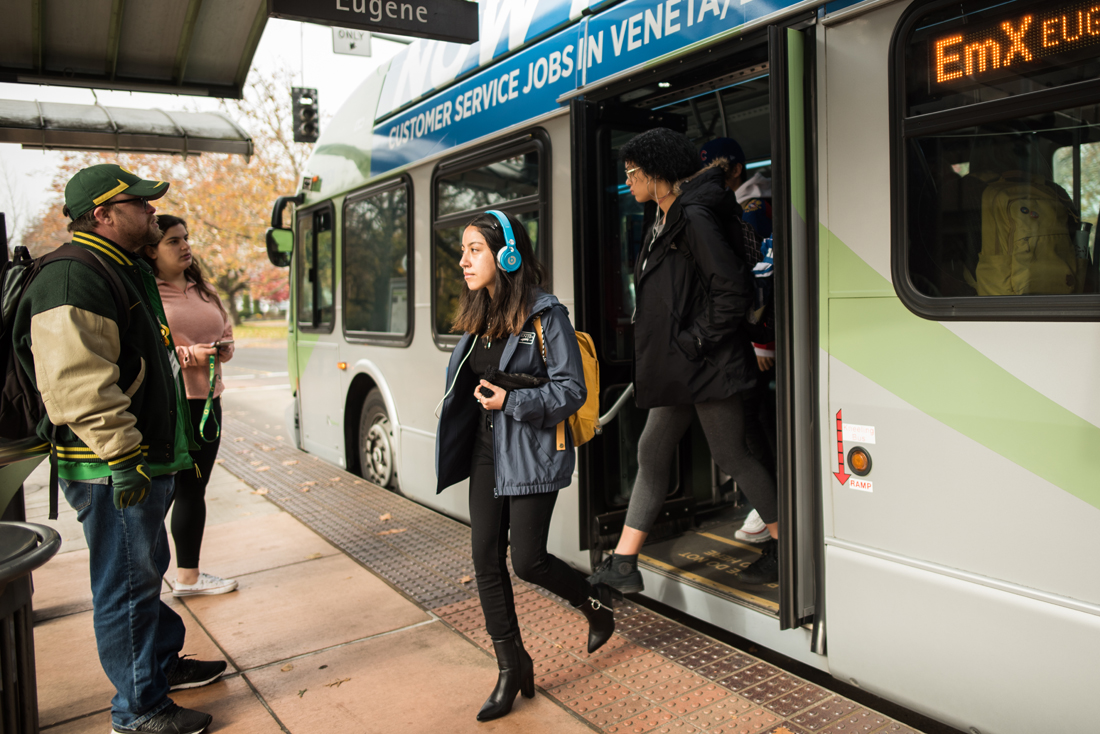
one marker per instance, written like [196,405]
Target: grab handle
[614,409]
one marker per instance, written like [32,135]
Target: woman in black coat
[691,353]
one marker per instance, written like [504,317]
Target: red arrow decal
[841,476]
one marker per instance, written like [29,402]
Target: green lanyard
[207,410]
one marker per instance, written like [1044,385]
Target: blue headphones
[508,258]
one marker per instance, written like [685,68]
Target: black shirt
[487,355]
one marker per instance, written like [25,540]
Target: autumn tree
[225,199]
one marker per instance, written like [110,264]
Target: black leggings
[724,426]
[529,518]
[189,503]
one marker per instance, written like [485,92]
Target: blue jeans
[139,637]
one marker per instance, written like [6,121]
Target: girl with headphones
[503,441]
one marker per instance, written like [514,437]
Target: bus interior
[694,540]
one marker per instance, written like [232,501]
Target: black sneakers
[172,720]
[620,573]
[765,569]
[190,673]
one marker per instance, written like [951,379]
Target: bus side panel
[981,460]
[984,657]
[940,496]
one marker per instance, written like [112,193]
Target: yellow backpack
[584,423]
[1028,246]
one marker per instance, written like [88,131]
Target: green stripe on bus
[797,119]
[939,373]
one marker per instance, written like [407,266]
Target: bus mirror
[280,243]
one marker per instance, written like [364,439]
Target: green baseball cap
[94,185]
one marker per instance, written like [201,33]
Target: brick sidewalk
[357,612]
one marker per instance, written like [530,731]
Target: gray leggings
[724,428]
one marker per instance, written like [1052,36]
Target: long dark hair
[194,272]
[507,312]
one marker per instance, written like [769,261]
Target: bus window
[490,185]
[305,256]
[315,271]
[1001,161]
[515,182]
[376,264]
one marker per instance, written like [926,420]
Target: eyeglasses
[140,200]
[630,174]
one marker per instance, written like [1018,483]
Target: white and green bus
[935,170]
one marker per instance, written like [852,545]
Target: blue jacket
[526,458]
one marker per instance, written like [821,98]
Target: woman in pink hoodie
[202,330]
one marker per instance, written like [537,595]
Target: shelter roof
[186,47]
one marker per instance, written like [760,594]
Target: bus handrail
[614,409]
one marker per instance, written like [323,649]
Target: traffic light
[304,109]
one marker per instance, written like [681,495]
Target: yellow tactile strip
[654,675]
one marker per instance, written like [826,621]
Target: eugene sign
[442,20]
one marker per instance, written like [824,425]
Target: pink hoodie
[194,320]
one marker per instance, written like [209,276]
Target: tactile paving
[654,676]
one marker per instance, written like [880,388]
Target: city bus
[935,175]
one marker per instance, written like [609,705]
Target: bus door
[694,541]
[320,381]
[607,238]
[791,56]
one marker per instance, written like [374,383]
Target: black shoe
[601,618]
[172,720]
[765,569]
[190,673]
[620,573]
[517,673]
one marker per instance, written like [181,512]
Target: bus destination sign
[1025,42]
[441,20]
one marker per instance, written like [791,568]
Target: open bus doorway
[694,542]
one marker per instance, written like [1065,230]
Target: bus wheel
[376,455]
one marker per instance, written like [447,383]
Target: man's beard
[147,234]
[155,235]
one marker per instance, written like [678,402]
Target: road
[257,388]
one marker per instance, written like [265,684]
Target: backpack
[1029,239]
[21,408]
[585,423]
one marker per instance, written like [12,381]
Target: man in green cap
[112,389]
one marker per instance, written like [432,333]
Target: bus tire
[377,459]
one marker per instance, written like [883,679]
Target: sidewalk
[357,612]
[315,643]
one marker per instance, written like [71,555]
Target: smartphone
[222,343]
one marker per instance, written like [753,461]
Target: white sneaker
[207,584]
[753,530]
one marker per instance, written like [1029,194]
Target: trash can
[23,548]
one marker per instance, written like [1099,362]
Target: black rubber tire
[377,458]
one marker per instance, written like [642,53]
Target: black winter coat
[690,344]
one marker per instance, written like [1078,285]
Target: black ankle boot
[601,618]
[517,673]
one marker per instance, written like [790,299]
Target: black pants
[189,508]
[529,519]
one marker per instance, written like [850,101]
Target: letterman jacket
[108,393]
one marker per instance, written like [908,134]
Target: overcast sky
[29,172]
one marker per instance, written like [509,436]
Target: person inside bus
[754,194]
[691,355]
[203,333]
[754,198]
[504,441]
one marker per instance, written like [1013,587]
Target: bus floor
[357,611]
[709,557]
